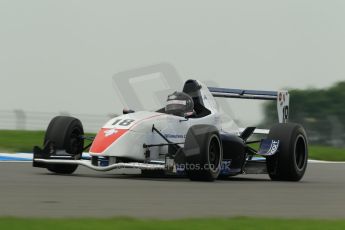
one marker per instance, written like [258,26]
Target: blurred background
[63,57]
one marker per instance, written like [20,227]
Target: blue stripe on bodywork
[6,158]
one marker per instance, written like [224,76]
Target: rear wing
[282,98]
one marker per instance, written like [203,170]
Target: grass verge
[22,141]
[126,223]
[327,153]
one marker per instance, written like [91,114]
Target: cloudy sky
[61,55]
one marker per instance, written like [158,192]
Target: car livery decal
[105,138]
[175,136]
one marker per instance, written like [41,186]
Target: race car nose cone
[105,138]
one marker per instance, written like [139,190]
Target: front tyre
[290,162]
[203,153]
[64,133]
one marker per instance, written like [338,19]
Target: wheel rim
[76,144]
[300,152]
[214,153]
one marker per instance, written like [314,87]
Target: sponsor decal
[109,132]
[175,136]
[268,147]
[274,147]
[178,102]
[280,99]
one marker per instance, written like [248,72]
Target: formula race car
[185,137]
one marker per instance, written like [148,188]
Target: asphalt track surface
[34,192]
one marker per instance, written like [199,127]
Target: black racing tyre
[203,153]
[64,134]
[290,162]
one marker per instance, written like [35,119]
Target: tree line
[320,111]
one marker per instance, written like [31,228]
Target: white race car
[185,137]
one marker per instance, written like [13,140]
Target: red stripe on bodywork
[102,141]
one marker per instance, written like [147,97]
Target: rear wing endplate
[282,97]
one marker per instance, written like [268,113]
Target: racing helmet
[179,104]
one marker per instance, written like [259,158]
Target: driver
[179,104]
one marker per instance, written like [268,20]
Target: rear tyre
[203,153]
[64,133]
[290,162]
